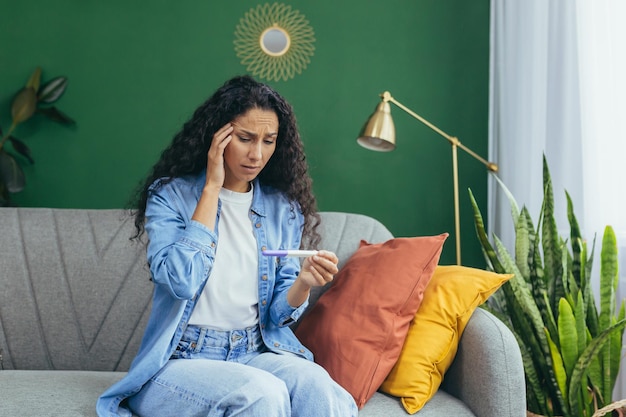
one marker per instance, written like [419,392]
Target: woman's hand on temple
[215,157]
[206,210]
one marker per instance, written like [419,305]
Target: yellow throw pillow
[452,295]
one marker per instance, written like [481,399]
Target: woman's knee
[313,392]
[212,388]
[264,393]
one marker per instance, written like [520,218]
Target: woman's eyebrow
[248,133]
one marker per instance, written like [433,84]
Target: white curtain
[558,87]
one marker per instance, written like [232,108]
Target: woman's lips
[250,168]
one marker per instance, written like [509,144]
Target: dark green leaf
[5,201]
[35,79]
[21,148]
[24,105]
[11,173]
[55,114]
[53,90]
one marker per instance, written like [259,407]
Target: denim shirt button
[258,225]
[264,277]
[264,302]
[212,244]
[276,344]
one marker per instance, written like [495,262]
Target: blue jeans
[230,373]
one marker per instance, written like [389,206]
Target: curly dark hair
[286,171]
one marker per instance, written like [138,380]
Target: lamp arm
[452,139]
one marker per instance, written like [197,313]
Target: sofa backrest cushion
[75,291]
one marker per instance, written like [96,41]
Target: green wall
[138,69]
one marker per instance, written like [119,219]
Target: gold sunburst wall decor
[274,42]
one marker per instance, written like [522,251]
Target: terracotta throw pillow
[357,328]
[452,295]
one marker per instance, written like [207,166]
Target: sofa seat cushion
[40,393]
[45,393]
[441,404]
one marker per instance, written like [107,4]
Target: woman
[233,183]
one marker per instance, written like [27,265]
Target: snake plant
[570,348]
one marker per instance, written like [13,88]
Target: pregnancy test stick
[290,252]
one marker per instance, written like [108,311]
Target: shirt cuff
[286,313]
[201,237]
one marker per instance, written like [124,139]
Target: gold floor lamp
[379,134]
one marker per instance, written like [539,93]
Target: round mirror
[275,41]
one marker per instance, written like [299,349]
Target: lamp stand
[457,221]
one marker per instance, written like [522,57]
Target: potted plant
[571,351]
[31,99]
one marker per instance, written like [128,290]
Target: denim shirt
[181,252]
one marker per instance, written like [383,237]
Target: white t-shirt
[231,296]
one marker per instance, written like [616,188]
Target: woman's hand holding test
[317,270]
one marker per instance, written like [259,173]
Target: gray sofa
[75,297]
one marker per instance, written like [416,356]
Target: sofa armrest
[487,373]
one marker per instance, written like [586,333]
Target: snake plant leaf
[568,336]
[608,286]
[536,263]
[616,347]
[576,242]
[559,369]
[581,326]
[490,254]
[52,90]
[551,241]
[608,276]
[585,359]
[527,304]
[55,114]
[537,365]
[590,258]
[594,373]
[570,287]
[533,382]
[512,203]
[21,148]
[23,105]
[520,288]
[11,173]
[35,79]
[547,315]
[523,249]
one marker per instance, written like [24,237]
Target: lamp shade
[379,133]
